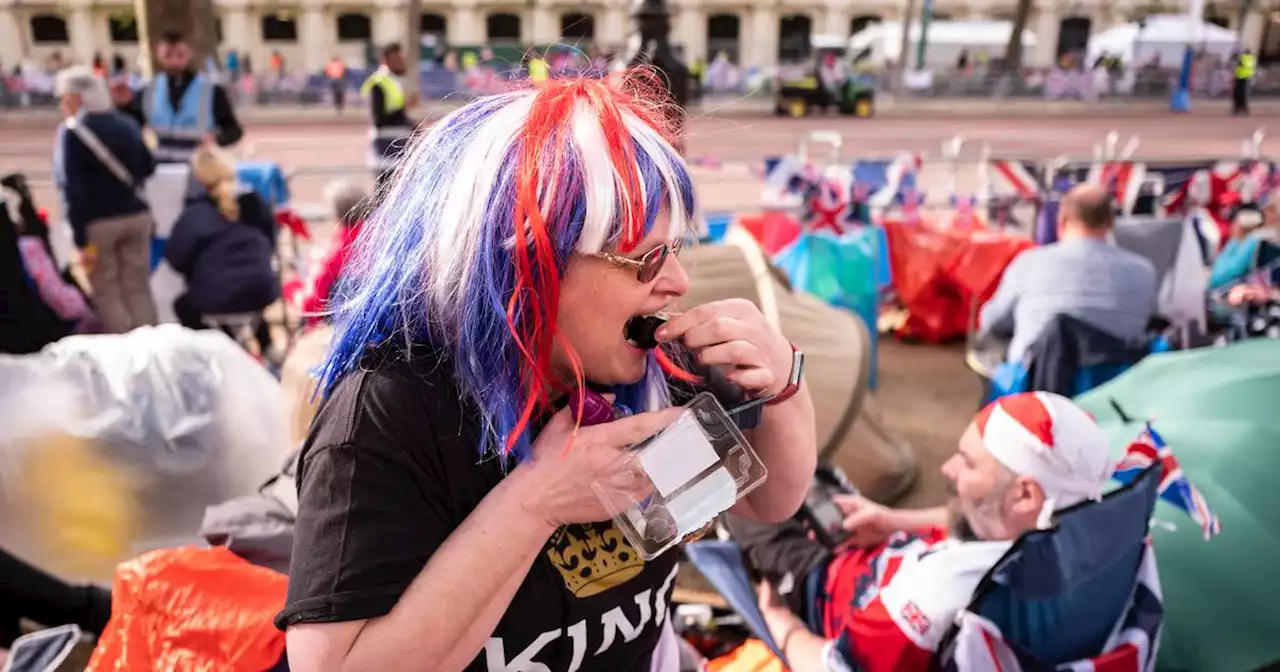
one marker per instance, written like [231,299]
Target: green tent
[1218,409]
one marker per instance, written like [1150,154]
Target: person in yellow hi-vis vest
[387,103]
[539,72]
[1246,68]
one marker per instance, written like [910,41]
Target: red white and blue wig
[468,247]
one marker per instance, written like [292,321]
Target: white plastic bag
[185,418]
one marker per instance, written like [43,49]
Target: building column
[236,23]
[388,25]
[692,32]
[317,37]
[614,26]
[1047,26]
[763,38]
[80,27]
[1255,23]
[546,24]
[12,39]
[465,26]
[835,20]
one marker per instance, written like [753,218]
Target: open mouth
[641,330]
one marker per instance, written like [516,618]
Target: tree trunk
[1013,52]
[194,19]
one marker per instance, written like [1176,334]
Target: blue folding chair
[1056,594]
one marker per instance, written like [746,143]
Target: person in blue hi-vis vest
[184,107]
[388,104]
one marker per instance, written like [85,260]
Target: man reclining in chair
[886,598]
[1084,275]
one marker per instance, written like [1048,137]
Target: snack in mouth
[641,330]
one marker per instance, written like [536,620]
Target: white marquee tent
[1165,36]
[943,42]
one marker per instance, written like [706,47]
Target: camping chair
[1057,595]
[1013,377]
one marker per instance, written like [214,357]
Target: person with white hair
[890,594]
[100,165]
[349,202]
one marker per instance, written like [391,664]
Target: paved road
[319,151]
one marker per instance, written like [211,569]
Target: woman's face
[598,297]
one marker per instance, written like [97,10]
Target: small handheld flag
[1175,489]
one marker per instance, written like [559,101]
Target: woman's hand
[558,477]
[734,333]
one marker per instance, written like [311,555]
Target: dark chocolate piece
[642,330]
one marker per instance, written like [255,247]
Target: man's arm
[224,117]
[73,167]
[377,105]
[996,316]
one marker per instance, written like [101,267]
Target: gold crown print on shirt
[593,558]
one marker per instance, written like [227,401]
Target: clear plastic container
[677,481]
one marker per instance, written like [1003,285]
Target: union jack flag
[1256,182]
[911,202]
[826,204]
[1121,179]
[1175,489]
[1019,176]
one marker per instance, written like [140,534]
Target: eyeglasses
[648,266]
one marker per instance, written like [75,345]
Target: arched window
[794,38]
[577,27]
[123,27]
[434,24]
[279,28]
[354,27]
[860,23]
[49,29]
[503,27]
[724,36]
[1073,35]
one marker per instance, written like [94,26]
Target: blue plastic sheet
[847,271]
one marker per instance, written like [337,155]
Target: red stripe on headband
[1026,409]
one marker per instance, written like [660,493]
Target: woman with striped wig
[446,517]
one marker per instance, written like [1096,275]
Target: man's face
[70,104]
[173,56]
[395,62]
[997,504]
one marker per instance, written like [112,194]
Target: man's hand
[1246,293]
[867,523]
[209,140]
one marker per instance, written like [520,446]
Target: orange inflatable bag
[192,609]
[752,656]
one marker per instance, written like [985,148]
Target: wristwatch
[793,379]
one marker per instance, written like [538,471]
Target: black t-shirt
[391,467]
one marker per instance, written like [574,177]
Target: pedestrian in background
[100,165]
[336,71]
[1246,67]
